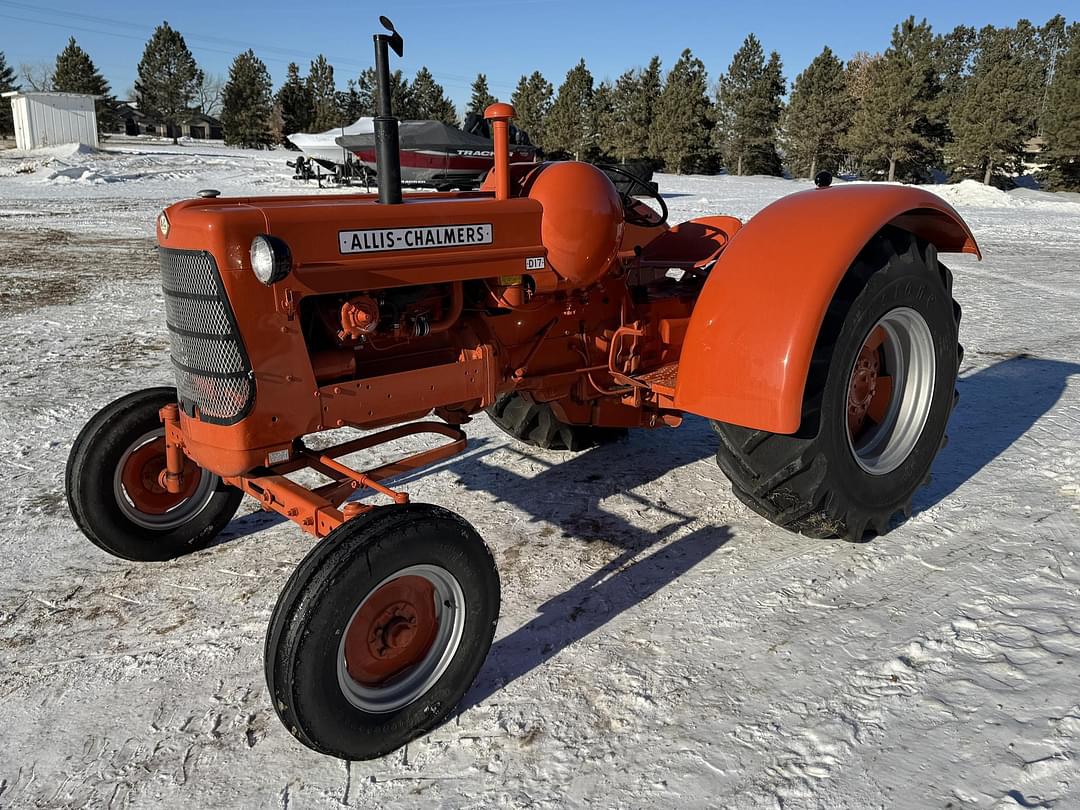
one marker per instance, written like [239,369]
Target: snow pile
[75,174]
[971,192]
[66,151]
[12,167]
[63,163]
[974,194]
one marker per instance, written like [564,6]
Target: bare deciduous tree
[209,95]
[38,76]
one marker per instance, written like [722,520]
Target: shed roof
[31,93]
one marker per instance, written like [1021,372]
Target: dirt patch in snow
[48,266]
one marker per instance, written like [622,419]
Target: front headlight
[271,259]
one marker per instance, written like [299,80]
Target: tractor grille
[212,370]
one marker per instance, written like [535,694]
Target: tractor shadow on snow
[565,500]
[569,492]
[998,405]
[586,606]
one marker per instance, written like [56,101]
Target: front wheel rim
[140,497]
[401,638]
[890,391]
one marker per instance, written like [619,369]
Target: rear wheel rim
[890,391]
[140,497]
[401,638]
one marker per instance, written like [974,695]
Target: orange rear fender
[753,329]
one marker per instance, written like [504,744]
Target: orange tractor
[820,337]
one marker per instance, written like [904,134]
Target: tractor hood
[426,238]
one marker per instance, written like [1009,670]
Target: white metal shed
[48,119]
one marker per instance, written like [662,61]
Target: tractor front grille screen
[212,370]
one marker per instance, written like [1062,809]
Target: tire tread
[785,478]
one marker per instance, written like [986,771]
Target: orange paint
[392,631]
[749,343]
[499,114]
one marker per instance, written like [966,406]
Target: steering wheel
[630,213]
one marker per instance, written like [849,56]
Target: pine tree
[481,96]
[633,102]
[991,117]
[350,103]
[603,116]
[247,103]
[365,88]
[679,135]
[748,111]
[429,101]
[323,92]
[818,116]
[1061,120]
[899,124]
[277,123]
[857,74]
[642,109]
[532,102]
[75,73]
[605,119]
[7,84]
[401,104]
[168,78]
[569,127]
[953,54]
[1054,38]
[770,109]
[1036,48]
[294,102]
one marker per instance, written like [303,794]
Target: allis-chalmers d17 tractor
[820,337]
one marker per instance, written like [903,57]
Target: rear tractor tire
[113,491]
[535,424]
[381,630]
[878,397]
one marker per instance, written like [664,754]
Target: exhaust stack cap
[396,43]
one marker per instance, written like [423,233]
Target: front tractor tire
[380,630]
[878,397]
[535,424]
[113,491]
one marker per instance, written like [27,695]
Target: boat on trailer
[438,155]
[322,147]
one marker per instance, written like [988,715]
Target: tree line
[963,104]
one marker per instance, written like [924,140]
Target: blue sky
[458,38]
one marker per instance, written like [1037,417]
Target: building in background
[49,119]
[130,120]
[196,125]
[202,126]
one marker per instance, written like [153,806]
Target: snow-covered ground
[659,645]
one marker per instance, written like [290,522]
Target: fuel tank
[582,221]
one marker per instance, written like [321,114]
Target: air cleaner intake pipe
[499,114]
[387,150]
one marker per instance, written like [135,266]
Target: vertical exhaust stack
[387,150]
